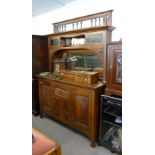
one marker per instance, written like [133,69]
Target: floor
[72,142]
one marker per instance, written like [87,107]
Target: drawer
[61,91]
[67,76]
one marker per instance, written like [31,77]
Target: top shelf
[89,21]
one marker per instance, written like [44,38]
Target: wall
[42,24]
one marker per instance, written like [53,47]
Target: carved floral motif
[119,68]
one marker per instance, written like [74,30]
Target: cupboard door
[81,104]
[45,95]
[115,67]
[61,98]
[56,107]
[81,99]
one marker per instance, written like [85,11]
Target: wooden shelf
[105,121]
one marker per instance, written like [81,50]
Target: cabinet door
[61,106]
[115,67]
[81,99]
[56,107]
[45,95]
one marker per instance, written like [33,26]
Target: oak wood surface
[70,104]
[73,103]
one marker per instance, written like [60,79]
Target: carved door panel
[56,107]
[45,95]
[81,99]
[115,67]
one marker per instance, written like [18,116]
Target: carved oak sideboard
[72,104]
[71,91]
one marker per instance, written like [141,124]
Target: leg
[92,144]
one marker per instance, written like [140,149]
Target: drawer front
[67,76]
[61,91]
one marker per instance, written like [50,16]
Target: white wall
[42,24]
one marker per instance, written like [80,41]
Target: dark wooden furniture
[39,64]
[42,145]
[114,69]
[111,103]
[110,131]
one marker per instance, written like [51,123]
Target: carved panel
[81,103]
[45,92]
[83,100]
[44,89]
[99,51]
[61,92]
[119,67]
[114,68]
[67,116]
[68,107]
[56,103]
